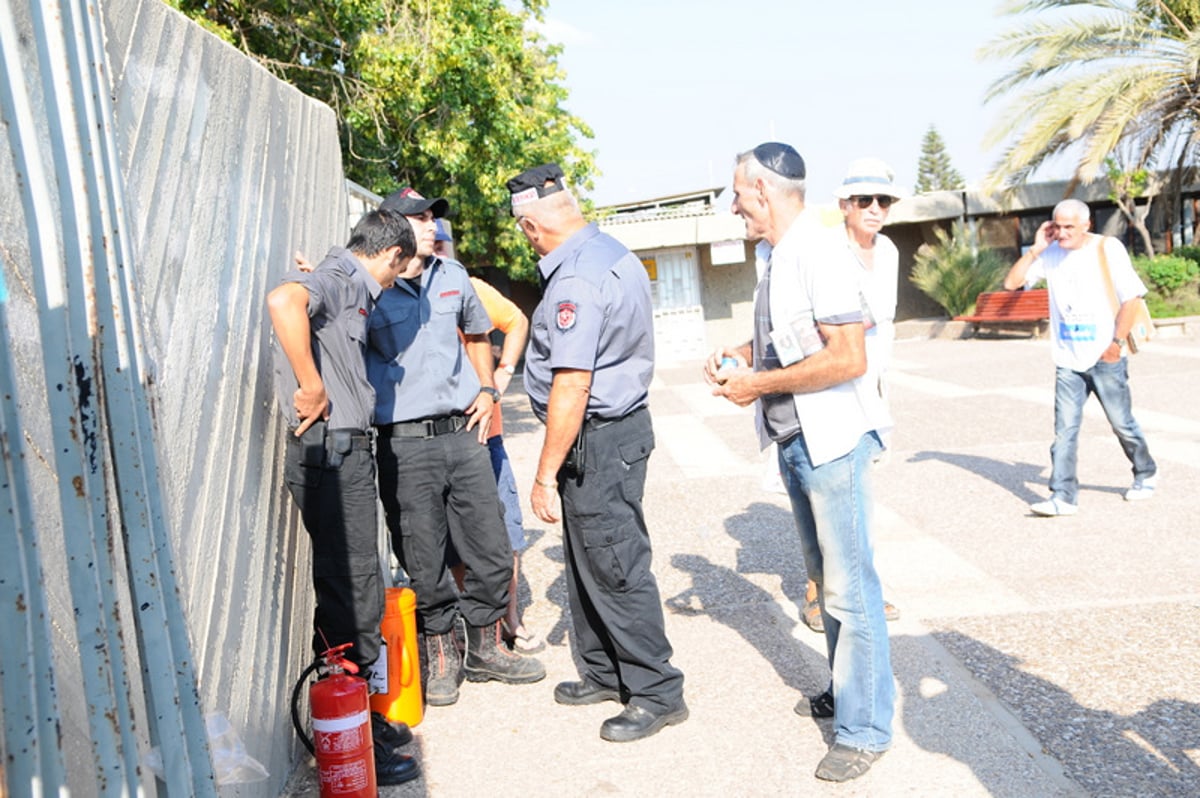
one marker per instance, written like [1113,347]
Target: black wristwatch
[492,392]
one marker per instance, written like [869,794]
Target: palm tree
[1096,81]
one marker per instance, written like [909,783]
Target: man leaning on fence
[1088,327]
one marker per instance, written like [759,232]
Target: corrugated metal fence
[155,183]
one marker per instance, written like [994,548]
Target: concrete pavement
[1033,657]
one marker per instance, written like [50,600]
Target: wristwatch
[509,367]
[490,391]
[1120,342]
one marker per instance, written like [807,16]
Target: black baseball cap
[407,202]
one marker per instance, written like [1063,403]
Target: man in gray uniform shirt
[320,321]
[587,371]
[433,403]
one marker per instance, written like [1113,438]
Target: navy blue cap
[782,159]
[441,234]
[531,184]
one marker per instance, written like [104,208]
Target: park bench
[1008,309]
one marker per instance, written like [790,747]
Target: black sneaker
[820,706]
[844,762]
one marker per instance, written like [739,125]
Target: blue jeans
[1110,383]
[832,506]
[506,485]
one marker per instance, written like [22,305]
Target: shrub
[954,276]
[1190,252]
[1172,282]
[1167,274]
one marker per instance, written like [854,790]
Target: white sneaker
[1052,507]
[1142,489]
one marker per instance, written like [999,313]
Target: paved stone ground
[1034,657]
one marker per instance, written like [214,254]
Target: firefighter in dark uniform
[587,372]
[433,403]
[320,322]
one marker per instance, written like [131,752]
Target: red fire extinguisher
[341,722]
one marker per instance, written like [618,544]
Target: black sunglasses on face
[884,201]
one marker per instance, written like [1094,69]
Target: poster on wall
[651,264]
[726,252]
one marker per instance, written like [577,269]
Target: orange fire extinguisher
[341,722]
[396,677]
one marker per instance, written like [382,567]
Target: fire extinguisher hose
[300,732]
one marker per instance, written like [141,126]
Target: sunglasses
[884,201]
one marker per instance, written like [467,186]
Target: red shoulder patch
[565,318]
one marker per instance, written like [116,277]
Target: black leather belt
[358,438]
[596,422]
[423,428]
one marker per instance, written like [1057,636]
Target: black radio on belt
[574,463]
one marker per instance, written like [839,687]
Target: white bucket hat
[866,177]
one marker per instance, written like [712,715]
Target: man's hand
[301,262]
[545,502]
[312,405]
[737,385]
[480,414]
[1047,234]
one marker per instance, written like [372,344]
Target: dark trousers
[615,605]
[438,488]
[338,506]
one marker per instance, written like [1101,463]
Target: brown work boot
[488,658]
[443,670]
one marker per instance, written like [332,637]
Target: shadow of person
[771,547]
[1016,478]
[1105,753]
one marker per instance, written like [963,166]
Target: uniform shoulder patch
[564,319]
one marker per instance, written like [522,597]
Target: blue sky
[673,90]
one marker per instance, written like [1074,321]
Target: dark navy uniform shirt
[341,293]
[595,315]
[415,359]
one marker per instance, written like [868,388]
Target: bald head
[550,220]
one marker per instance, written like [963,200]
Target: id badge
[798,340]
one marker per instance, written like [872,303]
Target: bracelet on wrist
[547,485]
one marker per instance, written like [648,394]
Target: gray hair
[1073,207]
[752,169]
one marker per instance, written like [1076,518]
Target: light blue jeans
[832,506]
[1110,383]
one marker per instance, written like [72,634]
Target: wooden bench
[1007,309]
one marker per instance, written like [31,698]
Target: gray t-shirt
[341,294]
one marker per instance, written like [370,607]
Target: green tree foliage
[953,273]
[452,97]
[1090,80]
[934,171]
[1125,188]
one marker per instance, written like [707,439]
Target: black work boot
[443,670]
[488,658]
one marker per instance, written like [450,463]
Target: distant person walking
[807,355]
[587,373]
[1088,342]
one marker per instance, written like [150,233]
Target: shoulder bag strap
[1108,281]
